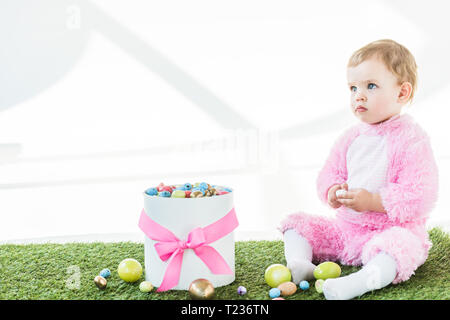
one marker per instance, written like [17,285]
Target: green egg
[178,194]
[327,270]
[145,286]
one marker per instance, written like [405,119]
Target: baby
[386,178]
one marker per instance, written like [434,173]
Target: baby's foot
[301,270]
[344,288]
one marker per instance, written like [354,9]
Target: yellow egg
[327,270]
[130,270]
[145,286]
[276,274]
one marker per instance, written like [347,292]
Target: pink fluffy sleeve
[335,169]
[413,189]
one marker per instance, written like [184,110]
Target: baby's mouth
[360,109]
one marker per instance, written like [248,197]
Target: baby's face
[374,91]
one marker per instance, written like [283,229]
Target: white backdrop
[101,99]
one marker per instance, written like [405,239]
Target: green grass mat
[46,271]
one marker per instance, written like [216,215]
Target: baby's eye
[353,88]
[371,86]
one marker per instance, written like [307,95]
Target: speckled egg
[304,285]
[274,293]
[319,285]
[105,273]
[241,290]
[145,286]
[151,191]
[164,194]
[287,288]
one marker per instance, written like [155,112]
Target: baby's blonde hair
[396,57]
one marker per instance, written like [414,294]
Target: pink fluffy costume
[394,159]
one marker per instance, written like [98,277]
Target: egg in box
[184,210]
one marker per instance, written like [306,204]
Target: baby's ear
[405,92]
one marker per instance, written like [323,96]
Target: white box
[181,216]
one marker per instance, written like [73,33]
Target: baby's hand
[332,198]
[357,199]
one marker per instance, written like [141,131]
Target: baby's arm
[414,192]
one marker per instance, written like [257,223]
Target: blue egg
[274,293]
[164,194]
[304,285]
[151,191]
[203,185]
[187,186]
[105,273]
[199,189]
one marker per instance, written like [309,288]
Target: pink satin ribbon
[170,247]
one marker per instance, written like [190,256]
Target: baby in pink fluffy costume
[387,179]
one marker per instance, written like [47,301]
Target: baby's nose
[360,97]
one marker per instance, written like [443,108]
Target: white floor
[139,238]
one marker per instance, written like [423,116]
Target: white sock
[298,253]
[379,272]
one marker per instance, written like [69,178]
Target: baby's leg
[308,237]
[391,256]
[298,253]
[379,272]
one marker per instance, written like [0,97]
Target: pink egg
[167,188]
[160,186]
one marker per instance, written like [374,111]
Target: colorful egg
[178,194]
[130,270]
[187,193]
[105,273]
[327,270]
[196,194]
[187,186]
[165,194]
[241,290]
[100,282]
[276,274]
[287,288]
[319,285]
[304,285]
[160,186]
[201,289]
[167,188]
[151,191]
[145,286]
[274,293]
[203,185]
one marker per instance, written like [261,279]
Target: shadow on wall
[42,41]
[45,39]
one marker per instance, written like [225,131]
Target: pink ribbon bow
[170,247]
